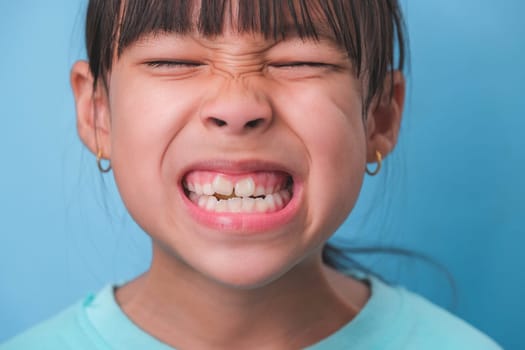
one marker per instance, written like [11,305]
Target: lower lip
[245,223]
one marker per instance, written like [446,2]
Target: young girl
[239,134]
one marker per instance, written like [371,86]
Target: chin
[247,272]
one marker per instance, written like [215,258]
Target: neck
[185,309]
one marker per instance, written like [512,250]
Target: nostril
[254,123]
[217,121]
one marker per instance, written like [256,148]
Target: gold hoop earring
[99,163]
[379,157]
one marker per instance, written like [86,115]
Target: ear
[384,118]
[93,118]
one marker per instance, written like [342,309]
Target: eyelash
[302,64]
[190,64]
[173,64]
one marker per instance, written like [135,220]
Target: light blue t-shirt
[393,318]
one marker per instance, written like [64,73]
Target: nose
[237,109]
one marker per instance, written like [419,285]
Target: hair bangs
[366,30]
[270,18]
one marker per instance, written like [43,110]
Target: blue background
[455,186]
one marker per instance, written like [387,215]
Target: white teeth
[278,200]
[202,201]
[261,205]
[245,187]
[212,203]
[194,196]
[270,202]
[207,189]
[222,206]
[270,196]
[259,191]
[235,205]
[222,186]
[285,195]
[198,188]
[248,204]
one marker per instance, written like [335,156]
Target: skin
[209,289]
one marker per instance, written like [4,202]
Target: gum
[265,179]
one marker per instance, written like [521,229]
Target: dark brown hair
[370,31]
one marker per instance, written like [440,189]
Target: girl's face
[239,156]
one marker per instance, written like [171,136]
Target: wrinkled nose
[237,110]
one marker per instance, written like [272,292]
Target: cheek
[146,115]
[330,125]
[145,119]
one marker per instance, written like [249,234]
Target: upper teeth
[244,188]
[220,185]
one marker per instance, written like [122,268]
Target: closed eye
[173,64]
[301,64]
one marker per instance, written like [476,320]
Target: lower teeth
[270,203]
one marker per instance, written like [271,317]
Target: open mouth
[258,192]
